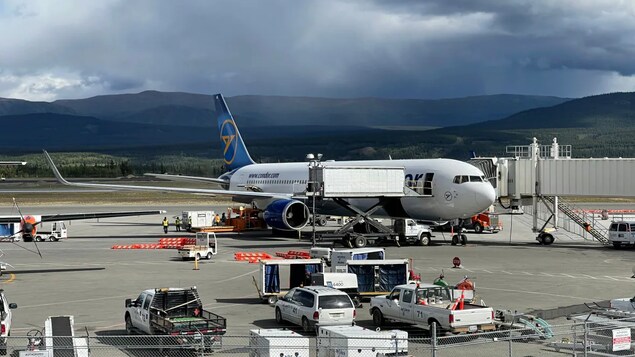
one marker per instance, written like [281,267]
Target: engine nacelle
[286,214]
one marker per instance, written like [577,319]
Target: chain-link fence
[597,336]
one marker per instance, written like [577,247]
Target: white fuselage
[448,200]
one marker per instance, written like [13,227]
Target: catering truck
[428,304]
[177,312]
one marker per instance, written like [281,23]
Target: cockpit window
[464,178]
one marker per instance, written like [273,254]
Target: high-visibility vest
[165,222]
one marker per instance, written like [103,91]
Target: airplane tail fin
[235,153]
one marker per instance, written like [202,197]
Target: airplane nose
[485,197]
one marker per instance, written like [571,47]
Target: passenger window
[632,227]
[457,179]
[146,303]
[407,296]
[475,179]
[394,295]
[139,300]
[613,227]
[465,179]
[622,227]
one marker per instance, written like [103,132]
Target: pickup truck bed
[207,322]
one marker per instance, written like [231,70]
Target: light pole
[314,187]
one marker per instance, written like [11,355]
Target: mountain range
[277,128]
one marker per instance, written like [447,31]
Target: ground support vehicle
[622,233]
[59,337]
[278,276]
[6,317]
[58,231]
[177,312]
[349,341]
[314,306]
[205,247]
[623,304]
[338,257]
[378,277]
[427,304]
[277,342]
[413,232]
[484,222]
[345,282]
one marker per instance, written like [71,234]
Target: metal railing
[595,336]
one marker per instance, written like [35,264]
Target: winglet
[56,172]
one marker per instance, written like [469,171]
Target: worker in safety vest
[165,225]
[189,223]
[217,220]
[177,224]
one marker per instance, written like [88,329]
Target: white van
[622,233]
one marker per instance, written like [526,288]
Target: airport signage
[621,339]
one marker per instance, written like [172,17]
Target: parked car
[315,306]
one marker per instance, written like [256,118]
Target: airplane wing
[13,163]
[245,195]
[77,216]
[187,178]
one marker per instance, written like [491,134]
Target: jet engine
[286,214]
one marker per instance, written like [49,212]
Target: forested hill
[187,109]
[600,111]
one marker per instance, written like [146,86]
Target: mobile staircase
[575,216]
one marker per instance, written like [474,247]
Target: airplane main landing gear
[459,238]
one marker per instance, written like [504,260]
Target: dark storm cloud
[346,48]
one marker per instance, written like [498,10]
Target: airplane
[452,189]
[13,163]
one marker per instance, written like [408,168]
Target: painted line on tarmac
[10,280]
[612,278]
[569,276]
[236,277]
[589,276]
[506,272]
[74,301]
[538,293]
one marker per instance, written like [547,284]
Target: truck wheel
[198,256]
[39,239]
[360,242]
[478,228]
[455,239]
[463,239]
[129,328]
[378,318]
[279,316]
[306,326]
[271,300]
[53,239]
[547,239]
[321,221]
[209,256]
[424,239]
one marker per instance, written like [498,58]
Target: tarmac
[84,277]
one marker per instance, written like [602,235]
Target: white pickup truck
[425,304]
[5,321]
[624,304]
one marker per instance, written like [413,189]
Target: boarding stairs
[570,212]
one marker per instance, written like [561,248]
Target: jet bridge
[545,173]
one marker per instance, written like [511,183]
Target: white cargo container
[340,257]
[342,181]
[345,341]
[199,219]
[277,343]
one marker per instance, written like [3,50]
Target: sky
[432,49]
